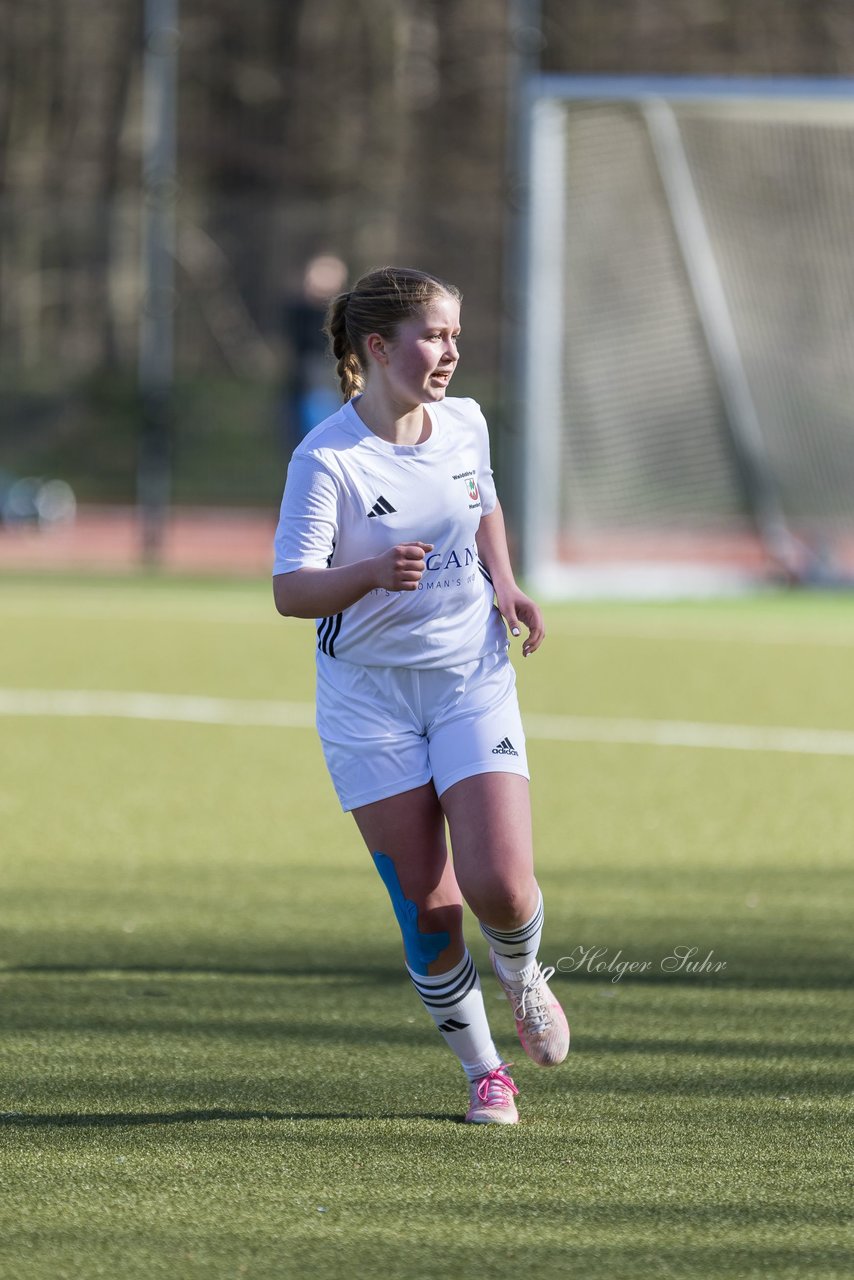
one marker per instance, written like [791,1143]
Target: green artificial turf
[212,1065]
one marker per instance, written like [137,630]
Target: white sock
[455,1003]
[516,950]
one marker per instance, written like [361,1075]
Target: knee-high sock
[455,1003]
[516,950]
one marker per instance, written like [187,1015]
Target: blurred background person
[309,392]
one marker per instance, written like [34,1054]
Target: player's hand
[516,608]
[401,567]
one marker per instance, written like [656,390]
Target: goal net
[688,389]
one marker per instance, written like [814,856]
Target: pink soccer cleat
[491,1100]
[540,1021]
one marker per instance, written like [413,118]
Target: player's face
[423,354]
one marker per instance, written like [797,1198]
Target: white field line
[187,709]
[181,708]
[686,733]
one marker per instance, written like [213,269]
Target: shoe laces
[533,1005]
[490,1086]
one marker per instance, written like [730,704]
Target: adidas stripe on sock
[455,1003]
[516,949]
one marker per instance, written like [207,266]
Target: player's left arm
[513,605]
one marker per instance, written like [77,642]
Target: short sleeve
[308,519]
[485,478]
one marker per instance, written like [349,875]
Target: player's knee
[423,945]
[445,919]
[503,903]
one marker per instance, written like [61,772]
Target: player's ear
[376,346]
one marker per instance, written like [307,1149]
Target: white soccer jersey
[351,495]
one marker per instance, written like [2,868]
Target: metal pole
[525,43]
[156,334]
[542,345]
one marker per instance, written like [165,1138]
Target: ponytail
[348,366]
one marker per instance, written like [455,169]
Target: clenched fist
[401,567]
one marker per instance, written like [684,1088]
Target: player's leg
[480,770]
[376,751]
[405,834]
[489,816]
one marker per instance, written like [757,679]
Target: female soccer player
[391,536]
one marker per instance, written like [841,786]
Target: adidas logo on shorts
[505,748]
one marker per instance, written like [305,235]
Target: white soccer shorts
[385,730]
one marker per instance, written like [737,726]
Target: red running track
[203,540]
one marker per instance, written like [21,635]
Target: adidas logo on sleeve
[505,748]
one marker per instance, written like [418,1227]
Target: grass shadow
[123,1119]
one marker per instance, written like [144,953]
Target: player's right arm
[319,593]
[305,582]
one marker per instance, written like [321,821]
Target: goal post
[688,333]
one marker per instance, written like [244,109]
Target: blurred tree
[725,37]
[374,129]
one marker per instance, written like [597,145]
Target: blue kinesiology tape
[421,948]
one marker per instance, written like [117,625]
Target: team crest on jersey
[469,480]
